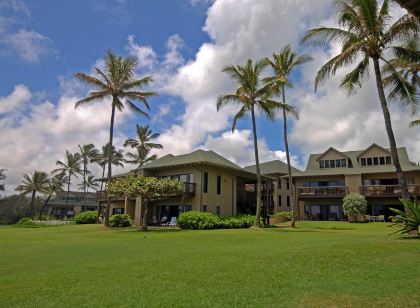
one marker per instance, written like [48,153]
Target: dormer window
[376,161]
[333,163]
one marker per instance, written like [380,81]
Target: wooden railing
[322,191]
[388,190]
[189,191]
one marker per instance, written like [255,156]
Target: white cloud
[15,100]
[146,56]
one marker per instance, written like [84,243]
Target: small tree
[354,204]
[148,188]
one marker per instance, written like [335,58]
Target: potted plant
[354,206]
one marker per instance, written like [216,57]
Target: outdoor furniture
[368,218]
[381,218]
[172,223]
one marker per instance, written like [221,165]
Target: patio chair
[368,218]
[166,224]
[172,223]
[382,218]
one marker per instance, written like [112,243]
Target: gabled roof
[272,167]
[331,149]
[196,157]
[373,145]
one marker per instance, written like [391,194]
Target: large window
[333,163]
[288,201]
[205,182]
[219,184]
[279,201]
[376,161]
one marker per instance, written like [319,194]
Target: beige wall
[332,155]
[353,182]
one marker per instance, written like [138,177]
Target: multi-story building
[67,205]
[212,184]
[329,176]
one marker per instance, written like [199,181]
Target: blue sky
[184,45]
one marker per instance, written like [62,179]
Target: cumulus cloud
[15,100]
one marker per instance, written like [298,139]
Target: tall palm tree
[55,185]
[143,146]
[91,183]
[87,152]
[365,33]
[283,64]
[117,83]
[69,168]
[102,160]
[249,95]
[38,182]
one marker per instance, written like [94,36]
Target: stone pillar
[138,212]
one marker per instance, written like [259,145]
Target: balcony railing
[322,191]
[388,190]
[189,191]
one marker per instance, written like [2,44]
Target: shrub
[195,220]
[25,221]
[88,217]
[285,214]
[354,204]
[409,222]
[120,220]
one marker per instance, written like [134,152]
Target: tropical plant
[102,160]
[38,182]
[143,146]
[2,178]
[55,184]
[116,82]
[69,168]
[87,152]
[354,204]
[407,221]
[249,95]
[283,64]
[148,188]
[365,32]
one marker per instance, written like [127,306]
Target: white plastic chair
[172,223]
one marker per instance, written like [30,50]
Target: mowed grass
[320,264]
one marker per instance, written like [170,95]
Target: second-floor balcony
[388,190]
[189,191]
[322,191]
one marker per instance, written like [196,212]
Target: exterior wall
[282,193]
[353,182]
[332,155]
[375,152]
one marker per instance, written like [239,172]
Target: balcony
[189,191]
[322,192]
[388,190]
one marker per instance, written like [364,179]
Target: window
[279,183]
[382,160]
[321,164]
[338,163]
[183,178]
[205,182]
[204,208]
[219,184]
[327,164]
[332,163]
[350,164]
[218,210]
[363,161]
[288,201]
[388,160]
[118,211]
[343,163]
[369,161]
[375,161]
[279,201]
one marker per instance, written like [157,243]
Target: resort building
[329,176]
[212,184]
[67,205]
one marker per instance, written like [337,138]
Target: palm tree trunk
[43,207]
[33,204]
[257,164]
[84,181]
[145,216]
[99,203]
[388,125]
[68,190]
[111,135]
[289,167]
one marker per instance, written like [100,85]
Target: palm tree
[250,94]
[38,182]
[283,64]
[2,179]
[69,168]
[143,145]
[90,183]
[117,83]
[102,160]
[87,152]
[365,33]
[55,184]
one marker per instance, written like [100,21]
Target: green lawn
[319,264]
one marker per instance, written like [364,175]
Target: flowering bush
[354,204]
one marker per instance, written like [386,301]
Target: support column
[138,212]
[125,204]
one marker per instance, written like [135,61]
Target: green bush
[88,217]
[286,214]
[195,220]
[120,220]
[26,221]
[354,204]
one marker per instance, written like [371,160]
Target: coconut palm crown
[116,83]
[365,33]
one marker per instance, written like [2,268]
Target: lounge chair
[382,218]
[172,223]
